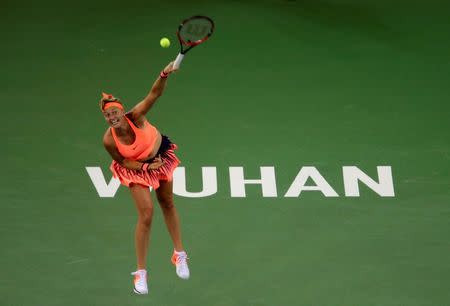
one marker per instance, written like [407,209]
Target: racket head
[195,30]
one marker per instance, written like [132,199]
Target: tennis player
[143,158]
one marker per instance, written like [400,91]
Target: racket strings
[195,30]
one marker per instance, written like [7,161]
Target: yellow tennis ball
[164,42]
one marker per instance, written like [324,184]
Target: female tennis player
[144,158]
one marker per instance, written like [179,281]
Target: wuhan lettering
[352,177]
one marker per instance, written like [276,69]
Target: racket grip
[178,60]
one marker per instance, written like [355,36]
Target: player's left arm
[142,108]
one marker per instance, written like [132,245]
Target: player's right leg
[144,207]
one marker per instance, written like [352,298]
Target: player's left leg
[164,195]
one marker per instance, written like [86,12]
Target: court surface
[281,84]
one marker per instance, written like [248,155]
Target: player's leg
[144,206]
[165,199]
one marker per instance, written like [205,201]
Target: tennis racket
[192,32]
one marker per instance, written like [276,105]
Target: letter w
[104,190]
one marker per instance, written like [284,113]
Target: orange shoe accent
[174,258]
[180,262]
[136,278]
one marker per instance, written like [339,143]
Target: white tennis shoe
[140,282]
[179,259]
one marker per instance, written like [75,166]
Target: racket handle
[178,60]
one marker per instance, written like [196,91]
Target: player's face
[114,116]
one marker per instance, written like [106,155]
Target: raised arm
[144,106]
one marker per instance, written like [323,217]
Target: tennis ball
[164,42]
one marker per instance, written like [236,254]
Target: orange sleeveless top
[143,143]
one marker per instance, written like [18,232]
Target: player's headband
[108,101]
[112,104]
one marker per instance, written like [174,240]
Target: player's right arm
[140,110]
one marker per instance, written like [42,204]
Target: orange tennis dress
[141,148]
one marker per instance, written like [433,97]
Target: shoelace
[182,259]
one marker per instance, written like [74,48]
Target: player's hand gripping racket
[192,32]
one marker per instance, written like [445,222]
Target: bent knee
[145,217]
[166,203]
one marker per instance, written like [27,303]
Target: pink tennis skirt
[148,178]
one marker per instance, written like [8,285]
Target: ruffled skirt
[149,178]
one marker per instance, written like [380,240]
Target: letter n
[352,175]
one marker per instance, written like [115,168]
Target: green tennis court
[307,91]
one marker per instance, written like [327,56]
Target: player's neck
[123,129]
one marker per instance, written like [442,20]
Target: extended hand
[169,68]
[156,163]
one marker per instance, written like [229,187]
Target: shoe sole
[138,292]
[183,278]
